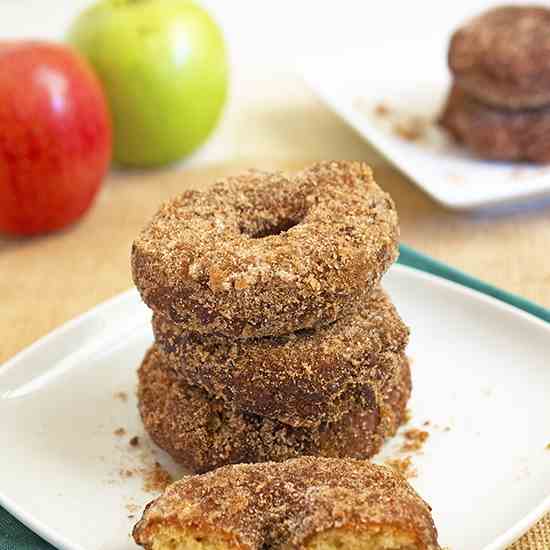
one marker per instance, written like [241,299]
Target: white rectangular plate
[480,368]
[411,79]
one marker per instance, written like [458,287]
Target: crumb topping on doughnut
[267,253]
[290,505]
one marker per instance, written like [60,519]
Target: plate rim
[62,543]
[307,69]
[37,526]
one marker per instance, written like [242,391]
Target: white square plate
[411,79]
[480,367]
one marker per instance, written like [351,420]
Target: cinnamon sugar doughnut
[307,503]
[202,432]
[502,57]
[265,254]
[495,133]
[302,379]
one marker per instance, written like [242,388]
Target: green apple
[164,68]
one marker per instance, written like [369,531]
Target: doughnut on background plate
[479,367]
[414,86]
[502,56]
[496,133]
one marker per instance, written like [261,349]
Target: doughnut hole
[282,226]
[263,213]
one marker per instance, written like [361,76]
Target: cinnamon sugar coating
[202,432]
[295,504]
[502,57]
[264,254]
[301,379]
[495,133]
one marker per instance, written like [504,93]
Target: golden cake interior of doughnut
[372,537]
[304,503]
[174,538]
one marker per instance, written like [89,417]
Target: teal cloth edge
[409,256]
[15,536]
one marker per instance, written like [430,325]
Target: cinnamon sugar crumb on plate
[412,128]
[132,508]
[156,479]
[414,439]
[402,465]
[119,432]
[121,396]
[382,109]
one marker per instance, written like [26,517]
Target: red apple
[55,137]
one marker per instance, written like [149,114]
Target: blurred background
[271,120]
[267,41]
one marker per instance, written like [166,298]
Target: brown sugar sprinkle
[455,179]
[119,432]
[126,473]
[121,396]
[382,110]
[156,479]
[402,465]
[548,447]
[134,442]
[132,508]
[414,439]
[411,129]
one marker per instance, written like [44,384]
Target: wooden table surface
[46,281]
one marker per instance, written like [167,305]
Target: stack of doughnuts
[499,104]
[273,337]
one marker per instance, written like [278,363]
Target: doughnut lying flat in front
[265,254]
[306,503]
